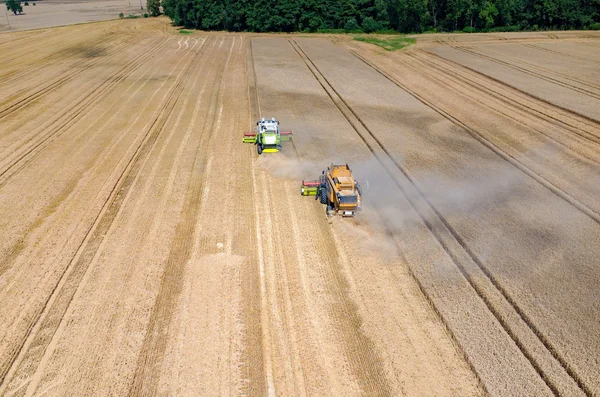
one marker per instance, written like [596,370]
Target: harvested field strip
[58,302]
[535,67]
[50,324]
[292,308]
[399,176]
[20,103]
[157,182]
[146,376]
[586,129]
[507,157]
[106,118]
[537,47]
[581,88]
[365,363]
[39,141]
[578,145]
[548,372]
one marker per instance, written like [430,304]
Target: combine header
[266,136]
[337,189]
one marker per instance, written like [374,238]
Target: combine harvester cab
[266,136]
[337,189]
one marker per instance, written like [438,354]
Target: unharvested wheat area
[145,250]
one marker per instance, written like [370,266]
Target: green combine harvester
[267,137]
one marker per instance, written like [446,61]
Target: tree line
[379,15]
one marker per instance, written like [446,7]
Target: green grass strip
[388,44]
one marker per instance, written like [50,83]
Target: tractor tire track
[591,122]
[537,47]
[43,139]
[73,274]
[464,258]
[533,66]
[146,376]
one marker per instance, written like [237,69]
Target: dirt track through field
[147,251]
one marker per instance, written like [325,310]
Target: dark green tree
[488,14]
[372,15]
[14,6]
[153,6]
[369,25]
[351,25]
